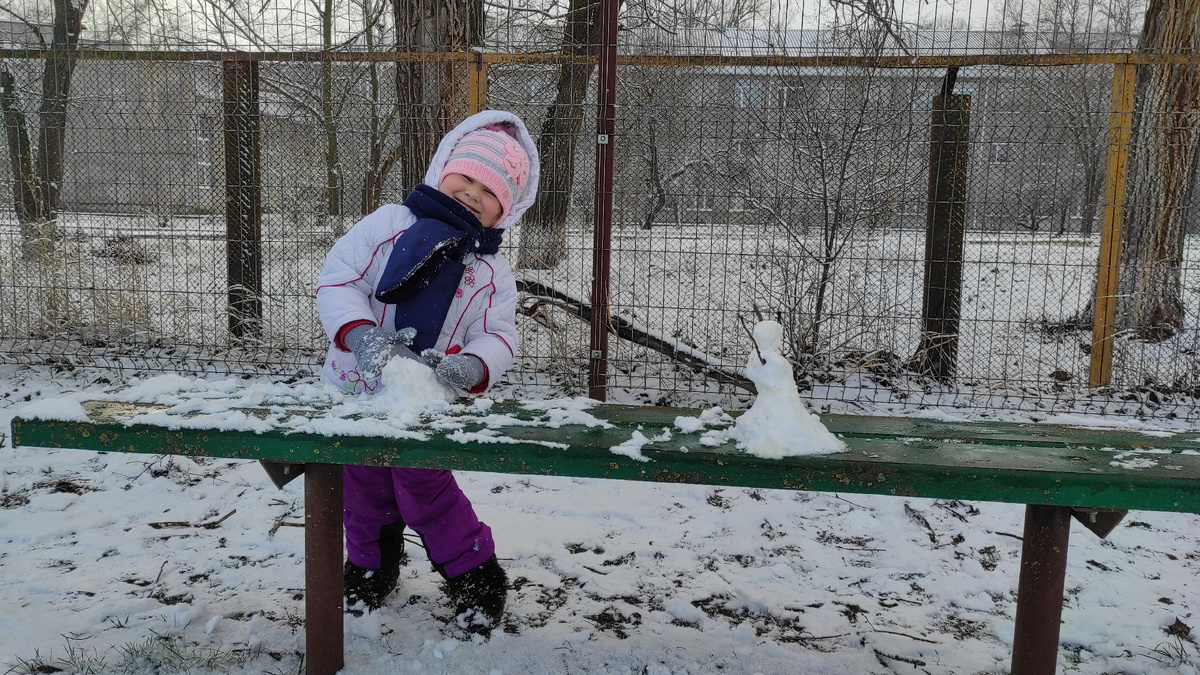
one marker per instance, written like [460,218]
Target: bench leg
[323,629]
[1040,590]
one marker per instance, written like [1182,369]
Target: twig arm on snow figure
[752,340]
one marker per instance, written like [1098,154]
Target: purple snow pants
[429,501]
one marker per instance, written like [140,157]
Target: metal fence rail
[935,221]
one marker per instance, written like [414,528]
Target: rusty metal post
[324,641]
[243,196]
[606,100]
[1040,589]
[945,224]
[1120,129]
[478,81]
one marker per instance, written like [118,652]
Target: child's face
[473,195]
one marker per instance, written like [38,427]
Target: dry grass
[66,291]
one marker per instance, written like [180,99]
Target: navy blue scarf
[425,267]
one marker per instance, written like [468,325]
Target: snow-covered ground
[130,563]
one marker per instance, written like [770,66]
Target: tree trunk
[1093,188]
[37,176]
[660,194]
[416,128]
[333,161]
[56,91]
[378,168]
[1165,133]
[20,154]
[431,25]
[544,234]
[457,28]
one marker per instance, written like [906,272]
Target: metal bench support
[1040,589]
[323,629]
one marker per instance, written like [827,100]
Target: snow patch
[57,409]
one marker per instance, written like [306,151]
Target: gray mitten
[461,370]
[432,357]
[374,346]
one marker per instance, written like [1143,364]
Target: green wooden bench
[1058,472]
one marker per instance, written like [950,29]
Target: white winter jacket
[482,316]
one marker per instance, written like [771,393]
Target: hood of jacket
[521,202]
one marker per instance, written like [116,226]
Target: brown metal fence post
[1040,589]
[937,352]
[606,99]
[324,640]
[1120,129]
[243,197]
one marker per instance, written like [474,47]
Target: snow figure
[777,424]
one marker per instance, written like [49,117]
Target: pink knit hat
[493,157]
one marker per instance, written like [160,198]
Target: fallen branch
[954,513]
[810,636]
[280,522]
[626,330]
[209,526]
[183,523]
[884,655]
[916,515]
[160,570]
[911,637]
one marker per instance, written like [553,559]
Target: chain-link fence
[990,211]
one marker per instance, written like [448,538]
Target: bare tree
[543,240]
[701,13]
[843,151]
[137,22]
[333,160]
[656,117]
[1080,94]
[334,26]
[380,118]
[38,173]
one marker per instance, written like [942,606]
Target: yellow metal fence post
[1116,167]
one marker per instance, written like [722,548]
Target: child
[427,274]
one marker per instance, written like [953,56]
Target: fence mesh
[931,205]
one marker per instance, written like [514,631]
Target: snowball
[408,389]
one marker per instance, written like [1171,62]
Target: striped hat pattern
[493,157]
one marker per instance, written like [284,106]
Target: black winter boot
[391,547]
[479,596]
[371,587]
